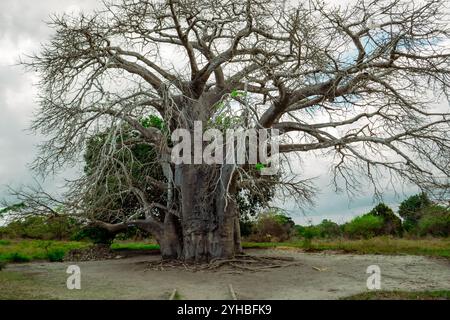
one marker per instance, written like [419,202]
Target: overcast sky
[22,30]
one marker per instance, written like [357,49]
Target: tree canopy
[357,84]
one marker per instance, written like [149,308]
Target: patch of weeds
[56,255]
[17,257]
[177,296]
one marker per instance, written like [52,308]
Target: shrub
[436,225]
[96,235]
[329,229]
[273,227]
[326,229]
[392,225]
[365,226]
[56,255]
[60,227]
[411,210]
[18,257]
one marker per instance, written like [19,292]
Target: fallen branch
[173,295]
[233,294]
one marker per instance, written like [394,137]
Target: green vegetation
[27,250]
[56,255]
[272,226]
[134,246]
[61,227]
[94,234]
[411,209]
[377,245]
[366,226]
[392,225]
[378,232]
[17,257]
[5,242]
[435,222]
[401,295]
[12,208]
[326,229]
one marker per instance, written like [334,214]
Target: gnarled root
[238,264]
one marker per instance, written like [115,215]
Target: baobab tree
[357,82]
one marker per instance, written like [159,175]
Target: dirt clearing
[315,276]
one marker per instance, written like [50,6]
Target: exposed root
[237,265]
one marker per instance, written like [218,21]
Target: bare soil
[312,276]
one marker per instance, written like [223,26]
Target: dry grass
[380,245]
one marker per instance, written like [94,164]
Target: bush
[56,255]
[392,225]
[60,227]
[17,257]
[329,229]
[411,210]
[95,234]
[365,226]
[434,224]
[272,227]
[5,242]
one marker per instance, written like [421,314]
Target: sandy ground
[338,276]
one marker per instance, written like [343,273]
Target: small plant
[56,255]
[153,121]
[260,166]
[2,265]
[237,94]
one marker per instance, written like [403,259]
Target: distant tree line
[417,216]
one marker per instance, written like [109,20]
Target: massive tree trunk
[208,219]
[208,212]
[208,223]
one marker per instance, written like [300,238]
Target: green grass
[134,246]
[379,245]
[28,250]
[17,257]
[401,295]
